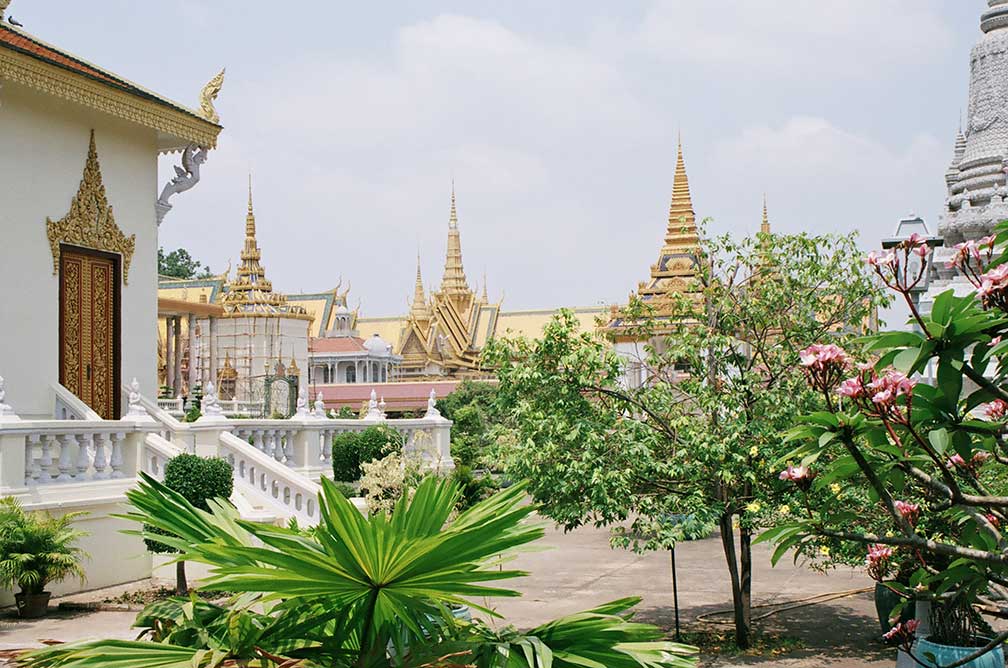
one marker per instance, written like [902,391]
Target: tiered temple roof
[251,293]
[675,272]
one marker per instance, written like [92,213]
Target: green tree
[359,592]
[350,449]
[690,448]
[931,457]
[476,417]
[180,264]
[198,480]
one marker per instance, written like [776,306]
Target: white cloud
[798,38]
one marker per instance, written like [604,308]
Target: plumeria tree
[931,457]
[690,449]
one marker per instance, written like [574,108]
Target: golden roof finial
[453,216]
[484,297]
[208,95]
[419,307]
[250,229]
[765,225]
[682,219]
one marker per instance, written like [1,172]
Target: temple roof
[251,293]
[454,282]
[177,123]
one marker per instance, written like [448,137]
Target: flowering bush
[929,456]
[388,479]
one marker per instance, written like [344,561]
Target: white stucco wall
[43,148]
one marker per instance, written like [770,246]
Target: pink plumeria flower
[802,476]
[922,251]
[877,562]
[996,340]
[956,461]
[994,521]
[903,633]
[996,410]
[910,511]
[851,388]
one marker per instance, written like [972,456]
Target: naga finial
[208,95]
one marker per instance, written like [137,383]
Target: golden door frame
[116,333]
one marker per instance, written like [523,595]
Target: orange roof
[18,40]
[397,396]
[343,344]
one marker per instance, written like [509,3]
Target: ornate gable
[90,222]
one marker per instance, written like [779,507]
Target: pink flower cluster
[993,519]
[910,511]
[996,410]
[993,288]
[825,364]
[802,476]
[978,459]
[903,634]
[879,396]
[878,563]
[893,265]
[886,389]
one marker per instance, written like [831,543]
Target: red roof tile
[398,396]
[347,344]
[16,40]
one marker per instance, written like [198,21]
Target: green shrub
[198,479]
[473,489]
[346,489]
[37,548]
[351,449]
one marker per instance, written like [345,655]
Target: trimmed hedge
[198,479]
[351,449]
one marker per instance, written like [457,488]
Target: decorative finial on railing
[432,411]
[381,407]
[373,413]
[319,411]
[7,413]
[136,409]
[209,405]
[302,405]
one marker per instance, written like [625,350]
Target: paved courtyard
[578,570]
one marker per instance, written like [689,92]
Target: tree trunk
[181,585]
[731,557]
[745,559]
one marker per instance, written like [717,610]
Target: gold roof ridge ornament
[90,223]
[207,96]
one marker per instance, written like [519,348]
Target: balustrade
[74,451]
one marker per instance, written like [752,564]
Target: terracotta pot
[32,606]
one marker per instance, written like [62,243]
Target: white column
[212,344]
[169,348]
[177,357]
[192,351]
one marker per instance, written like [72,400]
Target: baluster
[64,457]
[258,438]
[32,471]
[270,443]
[83,461]
[99,456]
[327,439]
[289,447]
[46,462]
[116,462]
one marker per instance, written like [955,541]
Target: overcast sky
[557,120]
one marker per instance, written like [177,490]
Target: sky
[557,121]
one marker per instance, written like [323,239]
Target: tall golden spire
[419,309]
[682,230]
[454,282]
[765,225]
[485,299]
[250,229]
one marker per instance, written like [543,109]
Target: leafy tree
[931,457]
[350,449]
[197,480]
[690,448]
[179,264]
[359,592]
[476,417]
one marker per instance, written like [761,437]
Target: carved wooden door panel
[89,328]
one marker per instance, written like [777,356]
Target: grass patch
[718,642]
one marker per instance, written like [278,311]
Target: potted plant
[35,550]
[956,635]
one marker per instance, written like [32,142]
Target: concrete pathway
[577,571]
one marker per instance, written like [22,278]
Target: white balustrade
[67,451]
[264,477]
[157,451]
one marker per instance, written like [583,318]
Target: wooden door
[89,328]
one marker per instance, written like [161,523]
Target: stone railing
[263,479]
[156,453]
[67,406]
[175,406]
[44,453]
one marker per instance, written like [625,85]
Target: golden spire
[682,219]
[484,297]
[454,280]
[765,225]
[250,229]
[419,308]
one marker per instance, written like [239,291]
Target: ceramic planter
[933,654]
[32,606]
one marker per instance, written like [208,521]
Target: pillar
[193,353]
[211,372]
[177,357]
[169,364]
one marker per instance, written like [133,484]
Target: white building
[343,357]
